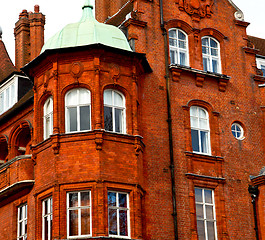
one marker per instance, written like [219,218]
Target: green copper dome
[86,32]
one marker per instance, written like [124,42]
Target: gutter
[169,120]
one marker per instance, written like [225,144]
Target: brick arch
[175,23]
[201,103]
[20,139]
[213,33]
[119,88]
[73,86]
[3,148]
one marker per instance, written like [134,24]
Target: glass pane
[210,230]
[45,230]
[237,128]
[85,221]
[108,97]
[199,211]
[213,43]
[20,229]
[47,126]
[73,222]
[171,42]
[182,44]
[72,116]
[205,50]
[84,96]
[172,33]
[208,196]
[182,58]
[214,52]
[181,35]
[8,98]
[205,41]
[13,94]
[71,98]
[202,113]
[113,222]
[111,198]
[201,230]
[84,118]
[85,199]
[118,100]
[26,226]
[1,102]
[108,119]
[172,57]
[215,66]
[209,212]
[195,140]
[123,223]
[194,122]
[198,195]
[203,123]
[204,142]
[193,111]
[118,120]
[205,64]
[73,199]
[262,69]
[45,207]
[122,200]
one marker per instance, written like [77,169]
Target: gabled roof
[6,65]
[259,43]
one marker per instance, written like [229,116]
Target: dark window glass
[73,118]
[195,140]
[108,118]
[84,118]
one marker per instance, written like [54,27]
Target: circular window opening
[237,131]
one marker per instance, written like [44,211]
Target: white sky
[61,12]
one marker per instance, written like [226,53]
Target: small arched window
[200,130]
[211,55]
[77,110]
[114,111]
[48,118]
[178,47]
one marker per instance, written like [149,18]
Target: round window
[237,131]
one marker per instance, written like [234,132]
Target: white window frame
[241,131]
[79,207]
[23,221]
[113,107]
[211,57]
[176,50]
[6,89]
[117,208]
[78,105]
[204,219]
[48,216]
[261,64]
[200,129]
[46,116]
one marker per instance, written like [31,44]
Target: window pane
[1,102]
[204,142]
[108,97]
[209,212]
[71,98]
[118,100]
[122,200]
[204,123]
[195,140]
[202,113]
[73,199]
[113,221]
[171,42]
[213,43]
[47,126]
[201,230]
[123,223]
[45,228]
[84,118]
[72,118]
[182,57]
[73,222]
[199,211]
[182,44]
[194,122]
[118,120]
[172,33]
[205,64]
[108,118]
[215,66]
[210,230]
[204,50]
[85,221]
[111,198]
[84,96]
[172,57]
[85,199]
[193,111]
[198,195]
[214,52]
[205,42]
[181,35]
[208,196]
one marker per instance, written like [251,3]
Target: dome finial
[87,12]
[87,4]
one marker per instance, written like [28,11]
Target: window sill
[204,156]
[260,79]
[200,76]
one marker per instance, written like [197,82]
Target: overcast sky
[61,12]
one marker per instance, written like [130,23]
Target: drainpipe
[169,120]
[254,191]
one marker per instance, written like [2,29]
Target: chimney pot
[36,8]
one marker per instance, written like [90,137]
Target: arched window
[211,55]
[200,130]
[48,118]
[178,47]
[77,110]
[114,111]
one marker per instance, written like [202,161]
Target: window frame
[49,217]
[113,107]
[199,129]
[261,65]
[177,50]
[204,218]
[210,57]
[45,116]
[23,221]
[78,105]
[79,207]
[118,209]
[241,137]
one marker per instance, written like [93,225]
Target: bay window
[47,219]
[22,223]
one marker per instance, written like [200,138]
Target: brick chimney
[29,36]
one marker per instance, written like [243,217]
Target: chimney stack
[29,36]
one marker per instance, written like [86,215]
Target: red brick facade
[154,161]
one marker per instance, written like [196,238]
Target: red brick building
[154,134]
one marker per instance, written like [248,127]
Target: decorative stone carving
[196,8]
[77,69]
